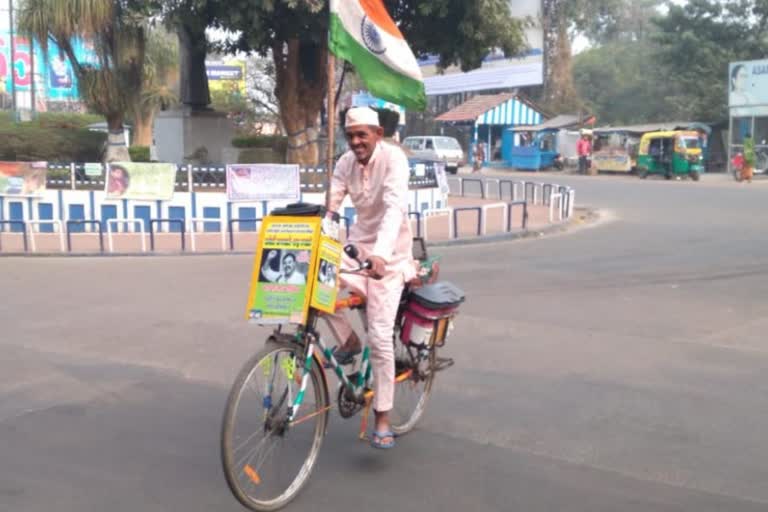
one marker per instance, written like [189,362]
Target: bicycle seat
[302,210]
[438,296]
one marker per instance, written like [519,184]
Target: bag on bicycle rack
[428,314]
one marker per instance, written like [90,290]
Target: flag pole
[331,114]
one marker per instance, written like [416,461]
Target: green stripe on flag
[381,80]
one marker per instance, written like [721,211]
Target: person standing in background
[479,157]
[747,169]
[584,150]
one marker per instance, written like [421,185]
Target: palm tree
[112,83]
[160,67]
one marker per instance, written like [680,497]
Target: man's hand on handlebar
[378,267]
[374,266]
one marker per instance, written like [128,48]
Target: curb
[581,217]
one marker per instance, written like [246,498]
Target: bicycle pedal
[443,363]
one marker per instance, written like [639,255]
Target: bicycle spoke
[266,459]
[263,457]
[252,452]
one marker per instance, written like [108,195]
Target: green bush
[260,156]
[277,144]
[51,137]
[255,141]
[139,153]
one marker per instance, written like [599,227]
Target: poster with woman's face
[140,181]
[748,88]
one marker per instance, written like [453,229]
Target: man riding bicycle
[375,175]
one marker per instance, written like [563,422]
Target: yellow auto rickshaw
[671,154]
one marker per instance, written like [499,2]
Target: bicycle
[289,417]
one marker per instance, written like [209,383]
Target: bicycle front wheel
[268,458]
[412,389]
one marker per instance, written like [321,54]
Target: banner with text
[263,182]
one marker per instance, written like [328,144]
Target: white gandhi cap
[362,116]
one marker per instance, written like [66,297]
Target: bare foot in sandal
[382,436]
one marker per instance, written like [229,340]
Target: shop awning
[556,123]
[504,109]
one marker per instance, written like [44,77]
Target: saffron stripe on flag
[380,79]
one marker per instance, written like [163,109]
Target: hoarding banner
[263,182]
[23,179]
[141,181]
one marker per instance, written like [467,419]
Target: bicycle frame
[312,342]
[354,386]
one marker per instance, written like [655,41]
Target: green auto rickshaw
[671,154]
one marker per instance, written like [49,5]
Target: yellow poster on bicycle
[284,270]
[327,282]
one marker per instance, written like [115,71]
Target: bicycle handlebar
[351,251]
[364,266]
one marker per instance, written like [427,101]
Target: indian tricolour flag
[363,33]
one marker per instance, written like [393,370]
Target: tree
[160,65]
[615,83]
[696,43]
[559,92]
[612,77]
[116,29]
[602,22]
[562,20]
[611,21]
[260,80]
[294,33]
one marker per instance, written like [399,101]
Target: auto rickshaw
[671,154]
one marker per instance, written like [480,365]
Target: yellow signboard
[327,284]
[226,76]
[285,270]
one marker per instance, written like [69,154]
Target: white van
[437,148]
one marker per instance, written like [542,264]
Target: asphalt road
[622,367]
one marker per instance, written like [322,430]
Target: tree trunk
[116,151]
[559,91]
[301,86]
[143,129]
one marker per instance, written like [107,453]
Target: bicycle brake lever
[367,265]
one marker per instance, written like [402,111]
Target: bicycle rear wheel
[412,389]
[267,460]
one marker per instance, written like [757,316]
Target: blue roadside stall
[544,145]
[491,117]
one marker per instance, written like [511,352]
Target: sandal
[377,440]
[343,357]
